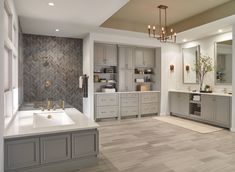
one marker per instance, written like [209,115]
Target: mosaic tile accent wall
[52,66]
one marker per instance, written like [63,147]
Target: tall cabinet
[125,68]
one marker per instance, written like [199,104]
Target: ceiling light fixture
[51,4]
[164,34]
[220,30]
[57,30]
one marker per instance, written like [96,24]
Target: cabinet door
[139,57]
[21,153]
[121,80]
[99,54]
[111,55]
[122,57]
[129,58]
[55,148]
[85,143]
[184,104]
[149,58]
[207,107]
[179,103]
[110,99]
[129,80]
[222,110]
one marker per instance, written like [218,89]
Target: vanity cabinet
[105,54]
[144,57]
[55,148]
[216,109]
[179,104]
[51,152]
[21,153]
[106,105]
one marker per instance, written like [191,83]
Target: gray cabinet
[21,153]
[106,105]
[105,54]
[179,104]
[207,107]
[55,148]
[216,109]
[126,80]
[125,57]
[85,144]
[222,111]
[149,103]
[144,57]
[126,68]
[129,104]
[68,151]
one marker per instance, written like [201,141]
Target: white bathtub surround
[23,124]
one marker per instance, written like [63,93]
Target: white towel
[80,81]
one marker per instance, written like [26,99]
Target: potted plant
[203,65]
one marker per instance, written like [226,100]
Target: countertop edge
[190,92]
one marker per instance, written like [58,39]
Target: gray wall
[54,59]
[1,87]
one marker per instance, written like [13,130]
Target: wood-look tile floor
[148,145]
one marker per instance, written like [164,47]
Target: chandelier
[163,34]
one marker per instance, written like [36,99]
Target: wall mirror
[223,62]
[190,56]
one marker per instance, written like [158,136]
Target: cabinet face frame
[10,156]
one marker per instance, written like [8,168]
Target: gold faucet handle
[62,104]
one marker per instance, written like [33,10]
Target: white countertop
[127,92]
[191,92]
[22,125]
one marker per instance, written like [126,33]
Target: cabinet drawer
[107,100]
[55,148]
[85,143]
[149,108]
[107,112]
[129,95]
[149,97]
[133,101]
[129,111]
[21,153]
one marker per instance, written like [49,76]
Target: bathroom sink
[48,119]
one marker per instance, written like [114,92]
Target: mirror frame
[215,65]
[197,57]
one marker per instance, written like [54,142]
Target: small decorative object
[148,71]
[187,68]
[202,66]
[96,78]
[172,68]
[207,88]
[47,84]
[143,87]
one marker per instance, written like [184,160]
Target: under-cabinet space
[195,105]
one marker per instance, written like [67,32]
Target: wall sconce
[172,68]
[187,68]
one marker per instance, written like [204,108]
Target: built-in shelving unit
[195,105]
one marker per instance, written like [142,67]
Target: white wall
[233,81]
[1,87]
[207,47]
[170,55]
